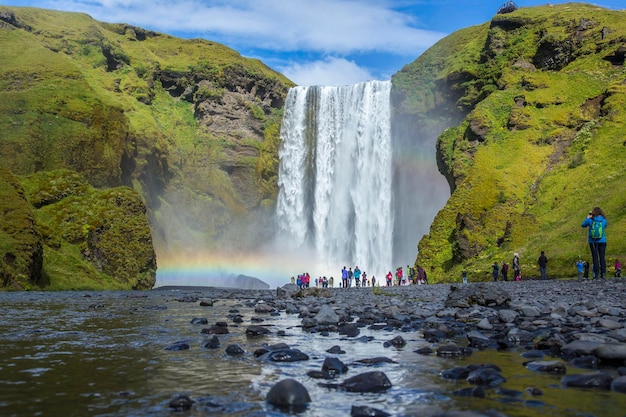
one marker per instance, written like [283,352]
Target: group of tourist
[596,237]
[358,278]
[595,222]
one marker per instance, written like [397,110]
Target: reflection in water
[68,354]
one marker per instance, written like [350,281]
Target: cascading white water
[335,177]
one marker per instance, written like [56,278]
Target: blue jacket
[587,223]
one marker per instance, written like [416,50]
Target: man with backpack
[596,236]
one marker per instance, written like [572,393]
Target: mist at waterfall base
[350,193]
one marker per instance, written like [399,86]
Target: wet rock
[477,339]
[476,392]
[365,411]
[374,381]
[533,354]
[181,403]
[550,367]
[611,352]
[374,361]
[320,375]
[221,327]
[486,377]
[397,341]
[424,351]
[334,366]
[619,384]
[453,350]
[234,350]
[286,355]
[534,391]
[211,343]
[456,373]
[256,331]
[349,329]
[585,362]
[595,380]
[289,395]
[263,308]
[199,320]
[206,303]
[511,393]
[336,350]
[326,315]
[178,346]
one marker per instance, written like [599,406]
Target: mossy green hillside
[21,248]
[540,96]
[187,123]
[92,239]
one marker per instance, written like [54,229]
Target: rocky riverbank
[557,326]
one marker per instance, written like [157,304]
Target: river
[103,354]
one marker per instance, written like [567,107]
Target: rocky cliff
[189,124]
[532,104]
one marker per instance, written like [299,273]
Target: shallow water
[102,354]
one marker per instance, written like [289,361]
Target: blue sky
[324,42]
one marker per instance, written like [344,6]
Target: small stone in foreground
[290,395]
[182,402]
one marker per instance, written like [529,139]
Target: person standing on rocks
[496,271]
[618,269]
[596,236]
[505,271]
[464,276]
[344,278]
[580,266]
[517,270]
[357,276]
[331,282]
[543,265]
[586,272]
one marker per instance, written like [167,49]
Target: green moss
[532,156]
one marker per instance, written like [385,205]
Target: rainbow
[216,269]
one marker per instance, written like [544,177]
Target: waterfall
[335,178]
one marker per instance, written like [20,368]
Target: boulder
[326,315]
[464,296]
[375,381]
[289,395]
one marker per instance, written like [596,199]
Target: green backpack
[597,229]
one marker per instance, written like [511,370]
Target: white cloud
[329,71]
[327,26]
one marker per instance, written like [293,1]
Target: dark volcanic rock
[550,367]
[255,331]
[211,343]
[178,346]
[181,403]
[286,355]
[595,380]
[289,394]
[482,294]
[375,381]
[234,350]
[334,366]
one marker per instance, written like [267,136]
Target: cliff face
[533,106]
[58,232]
[189,124]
